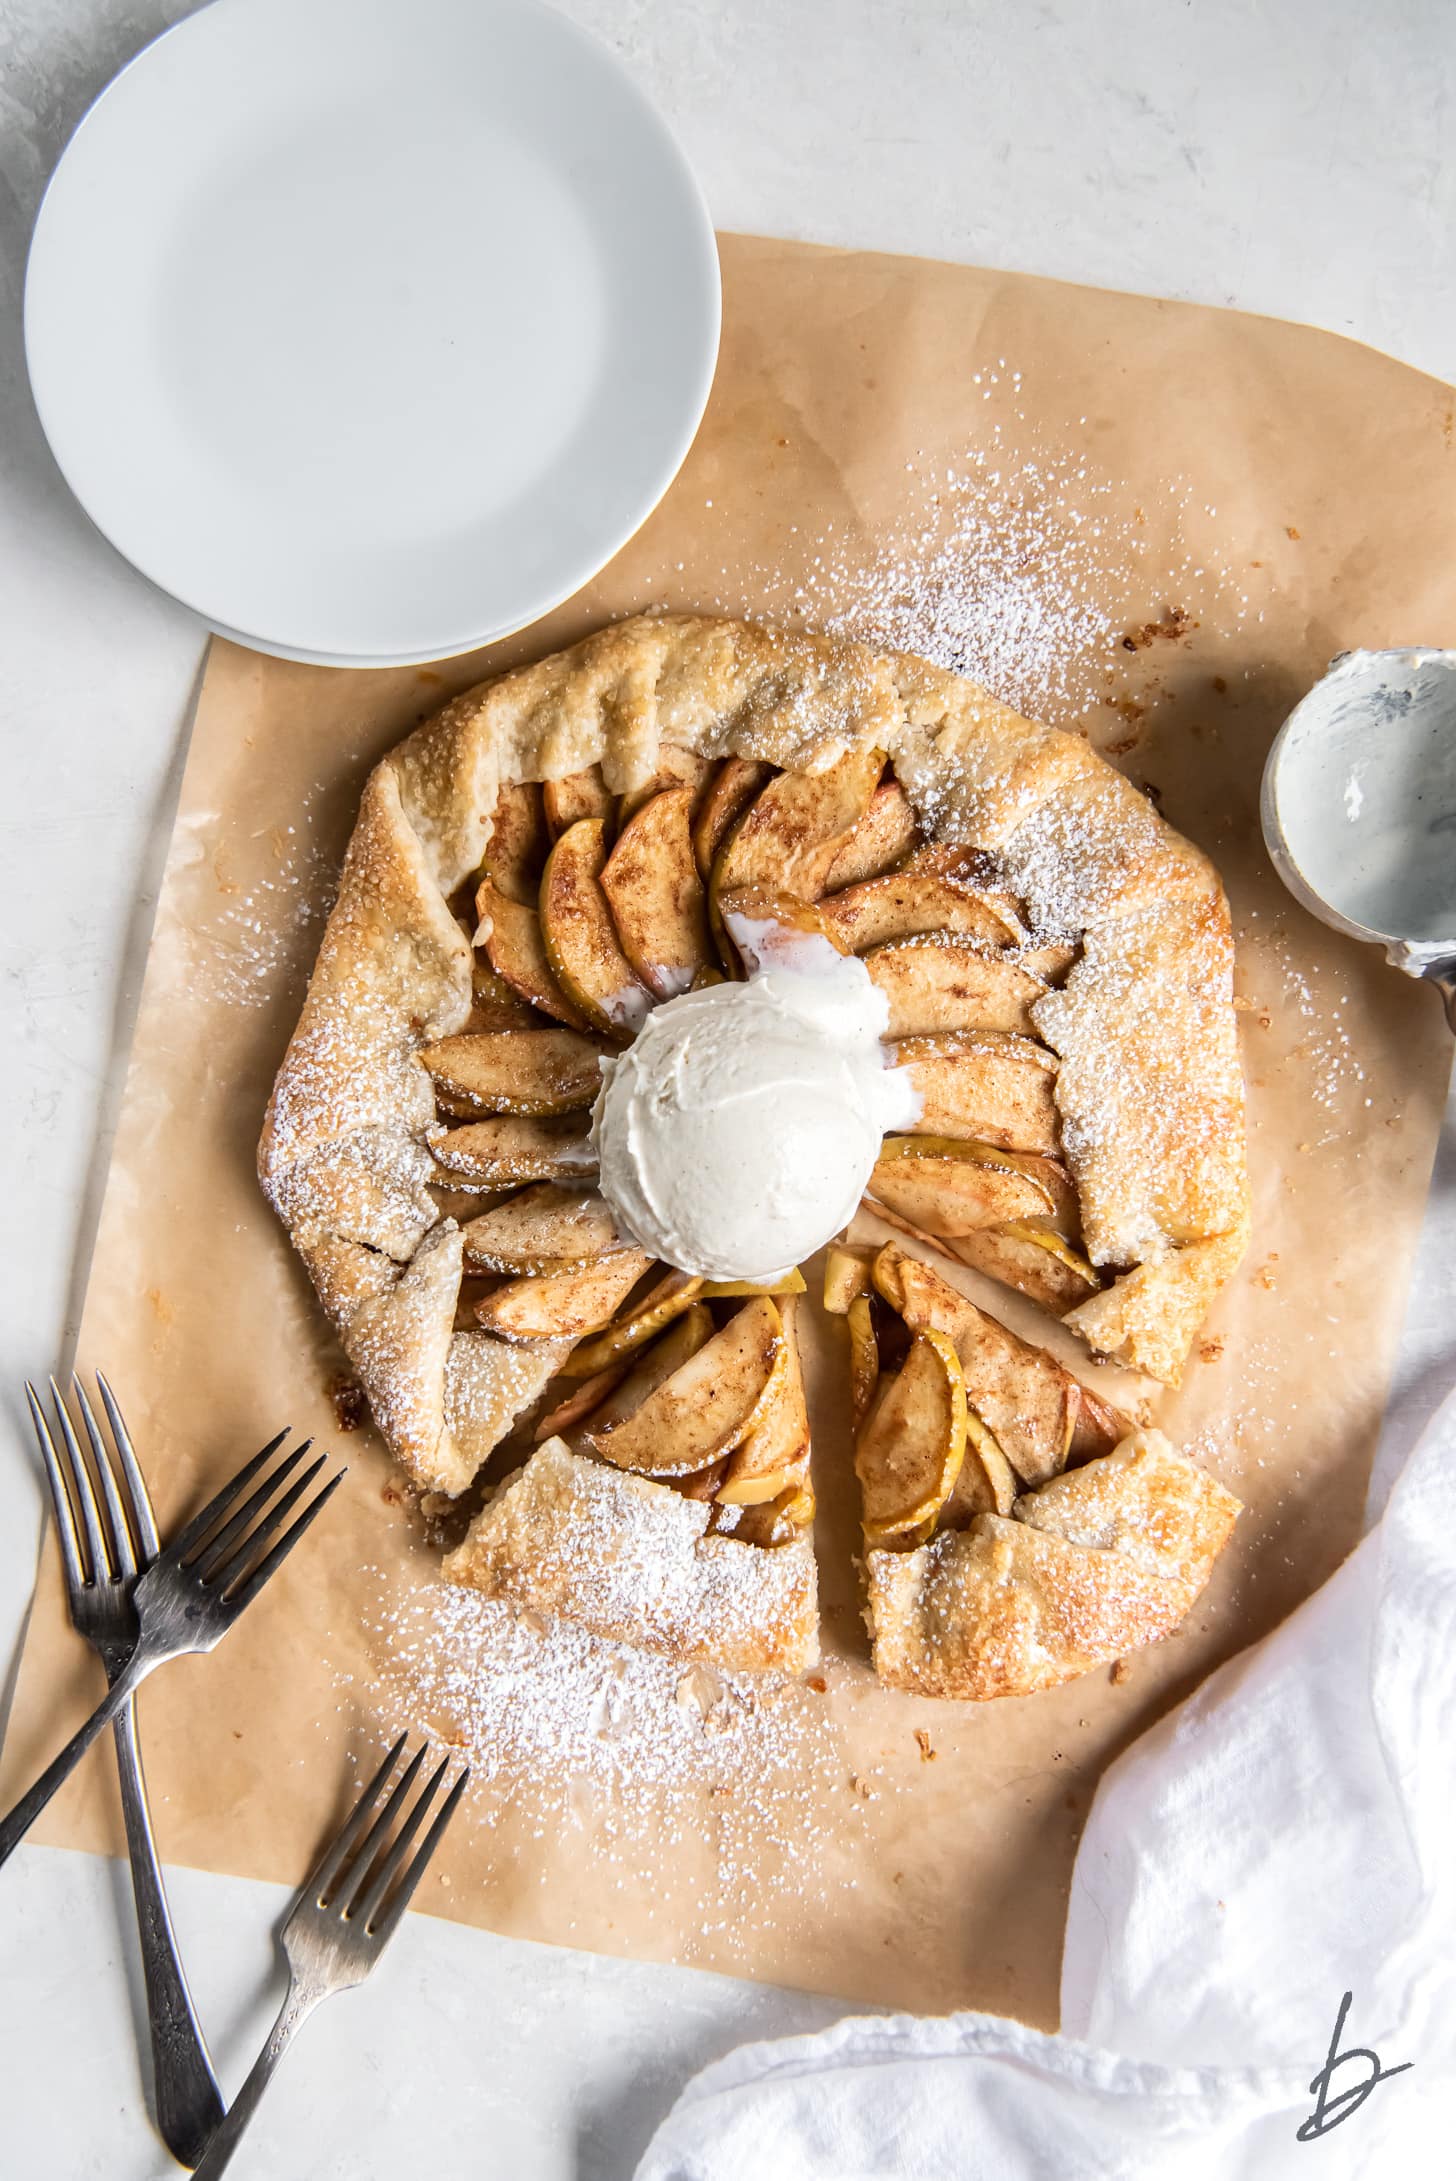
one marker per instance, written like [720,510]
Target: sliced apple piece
[987,1484]
[728,794]
[675,768]
[563,1305]
[775,1522]
[518,841]
[765,930]
[1099,1427]
[543,1228]
[910,1452]
[580,1402]
[935,984]
[577,795]
[494,1005]
[656,896]
[945,1196]
[510,934]
[652,1366]
[1045,1178]
[846,1275]
[582,947]
[517,1071]
[773,1455]
[788,837]
[707,1405]
[1022,1257]
[672,1295]
[1021,1394]
[703,1484]
[514,1149]
[864,1357]
[997,1089]
[884,836]
[908,904]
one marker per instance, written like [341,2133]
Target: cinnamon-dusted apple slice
[652,1366]
[494,1005]
[1022,1394]
[509,932]
[1000,1090]
[1099,1427]
[656,896]
[953,1187]
[728,794]
[517,1071]
[518,841]
[908,904]
[703,1483]
[582,947]
[756,928]
[987,1484]
[933,984]
[577,795]
[709,1404]
[675,768]
[910,1452]
[846,1276]
[788,837]
[513,1149]
[545,1228]
[1034,1260]
[884,836]
[772,1522]
[579,1403]
[563,1305]
[774,1454]
[672,1295]
[864,1358]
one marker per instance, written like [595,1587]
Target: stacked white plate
[371,329]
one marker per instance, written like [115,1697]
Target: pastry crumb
[351,1408]
[927,1753]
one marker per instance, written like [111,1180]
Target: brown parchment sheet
[1151,521]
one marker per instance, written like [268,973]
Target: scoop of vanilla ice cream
[737,1133]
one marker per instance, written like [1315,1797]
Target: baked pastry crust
[1148,1085]
[634,1561]
[1094,1563]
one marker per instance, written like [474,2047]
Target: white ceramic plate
[371,329]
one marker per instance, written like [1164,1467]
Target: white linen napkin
[1286,1837]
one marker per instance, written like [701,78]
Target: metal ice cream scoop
[1359,806]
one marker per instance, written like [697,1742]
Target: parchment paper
[1154,521]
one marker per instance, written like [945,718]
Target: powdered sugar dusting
[560,1727]
[255,932]
[1005,564]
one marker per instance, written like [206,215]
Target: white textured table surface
[1294,161]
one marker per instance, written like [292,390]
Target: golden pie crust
[1147,1083]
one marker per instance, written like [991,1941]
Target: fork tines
[369,1880]
[100,1541]
[233,1548]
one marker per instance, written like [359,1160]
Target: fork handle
[15,1826]
[296,2009]
[188,2104]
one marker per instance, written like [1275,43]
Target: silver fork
[344,1917]
[101,1565]
[191,1595]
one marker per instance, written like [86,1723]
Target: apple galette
[647,961]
